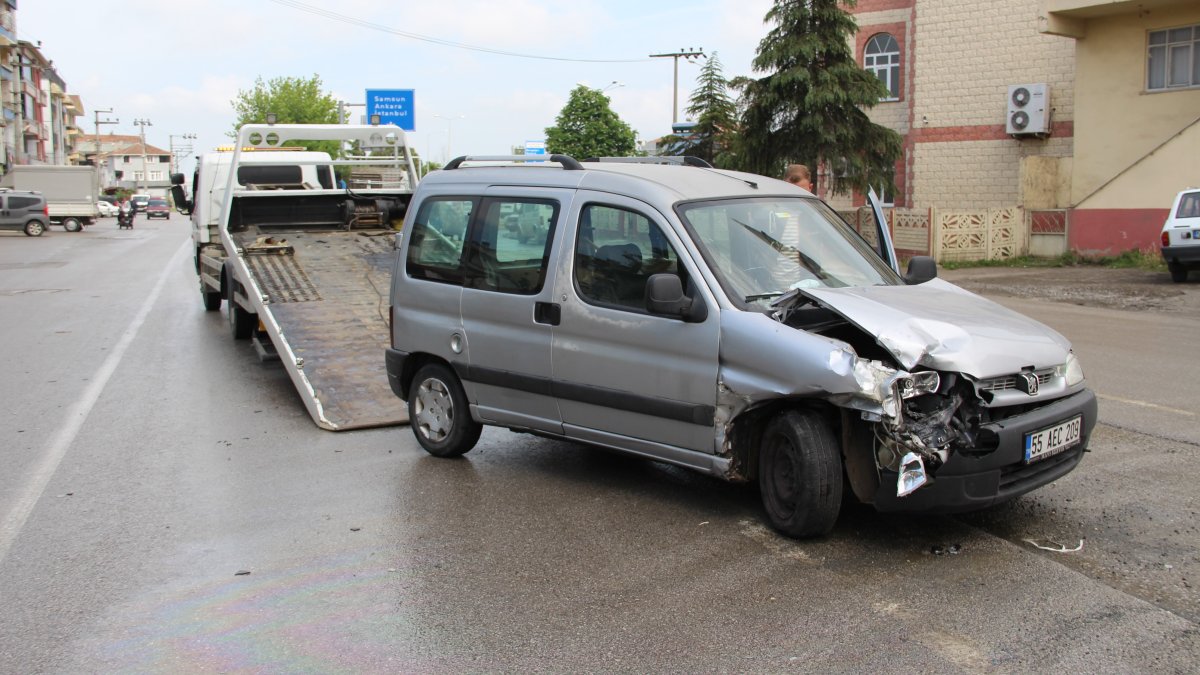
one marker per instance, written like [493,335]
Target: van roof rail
[685,160]
[568,162]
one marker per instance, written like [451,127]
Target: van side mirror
[921,268]
[665,296]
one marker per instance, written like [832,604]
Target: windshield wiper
[805,261]
[763,296]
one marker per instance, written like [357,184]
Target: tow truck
[294,231]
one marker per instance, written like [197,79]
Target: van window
[437,239]
[22,202]
[616,251]
[510,250]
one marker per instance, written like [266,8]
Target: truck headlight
[1072,370]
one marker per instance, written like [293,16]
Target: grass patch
[1148,259]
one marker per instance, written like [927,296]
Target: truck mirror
[180,199]
[177,179]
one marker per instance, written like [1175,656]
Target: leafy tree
[294,100]
[716,119]
[809,108]
[588,127]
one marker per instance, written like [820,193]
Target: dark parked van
[24,211]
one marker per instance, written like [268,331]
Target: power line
[438,41]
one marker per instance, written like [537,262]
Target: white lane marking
[1146,404]
[76,416]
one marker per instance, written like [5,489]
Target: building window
[156,175]
[138,175]
[1173,60]
[882,57]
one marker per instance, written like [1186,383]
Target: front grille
[1010,381]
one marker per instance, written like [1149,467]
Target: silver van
[725,322]
[23,211]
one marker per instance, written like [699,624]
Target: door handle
[549,313]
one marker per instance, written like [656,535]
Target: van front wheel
[800,474]
[439,414]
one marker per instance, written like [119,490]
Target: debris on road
[1056,547]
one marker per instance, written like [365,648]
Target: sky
[181,64]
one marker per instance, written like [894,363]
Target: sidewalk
[1126,289]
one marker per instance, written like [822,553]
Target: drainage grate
[282,279]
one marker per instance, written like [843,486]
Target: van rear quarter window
[438,239]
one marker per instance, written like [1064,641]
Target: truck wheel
[72,225]
[241,322]
[800,474]
[212,299]
[1179,273]
[438,413]
[34,228]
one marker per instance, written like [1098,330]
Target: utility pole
[142,124]
[688,54]
[186,147]
[96,156]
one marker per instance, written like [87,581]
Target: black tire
[800,474]
[212,299]
[34,228]
[439,414]
[1179,273]
[241,323]
[72,225]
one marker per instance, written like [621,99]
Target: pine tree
[716,119]
[588,127]
[809,108]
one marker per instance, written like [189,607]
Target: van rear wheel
[34,228]
[439,414]
[800,474]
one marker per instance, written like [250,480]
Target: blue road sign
[394,106]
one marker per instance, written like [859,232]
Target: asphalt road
[166,505]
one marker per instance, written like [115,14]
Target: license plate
[1053,440]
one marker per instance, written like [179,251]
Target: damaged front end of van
[946,401]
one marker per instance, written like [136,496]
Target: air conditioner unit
[1028,110]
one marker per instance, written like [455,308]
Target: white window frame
[884,63]
[1163,55]
[156,175]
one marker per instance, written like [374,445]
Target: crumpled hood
[939,325]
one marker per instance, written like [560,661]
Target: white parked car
[1181,235]
[106,209]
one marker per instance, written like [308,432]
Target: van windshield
[762,248]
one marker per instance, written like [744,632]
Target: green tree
[294,100]
[810,106]
[588,127]
[716,119]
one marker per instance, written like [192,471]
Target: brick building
[1114,147]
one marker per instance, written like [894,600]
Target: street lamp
[449,125]
[613,85]
[142,124]
[185,147]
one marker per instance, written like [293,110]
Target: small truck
[294,231]
[69,191]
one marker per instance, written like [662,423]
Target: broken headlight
[915,384]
